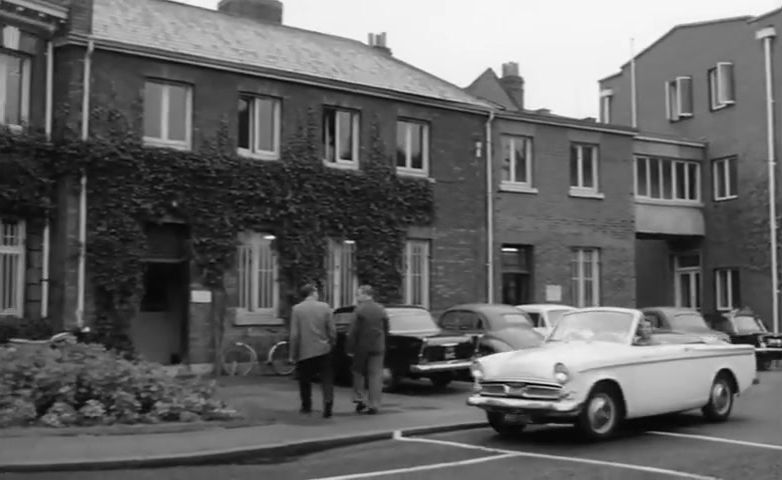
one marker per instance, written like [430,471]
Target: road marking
[706,438]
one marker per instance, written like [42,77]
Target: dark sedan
[744,327]
[415,348]
[682,320]
[496,328]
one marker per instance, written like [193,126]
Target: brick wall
[553,222]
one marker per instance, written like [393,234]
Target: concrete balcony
[669,218]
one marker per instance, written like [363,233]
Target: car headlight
[561,373]
[476,370]
[762,344]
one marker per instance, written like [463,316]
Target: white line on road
[706,438]
[500,454]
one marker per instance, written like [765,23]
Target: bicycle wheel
[238,359]
[279,359]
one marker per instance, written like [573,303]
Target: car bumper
[561,408]
[769,350]
[444,366]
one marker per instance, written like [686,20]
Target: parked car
[415,348]
[544,315]
[594,372]
[682,320]
[495,327]
[744,327]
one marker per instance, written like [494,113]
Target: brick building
[195,68]
[702,87]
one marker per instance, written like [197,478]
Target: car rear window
[410,320]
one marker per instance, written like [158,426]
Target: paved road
[681,446]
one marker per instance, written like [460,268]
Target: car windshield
[554,316]
[536,319]
[598,325]
[689,322]
[410,320]
[748,324]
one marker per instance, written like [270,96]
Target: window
[583,168]
[516,274]
[585,267]
[725,176]
[517,161]
[687,280]
[678,98]
[606,102]
[14,89]
[416,273]
[340,137]
[667,179]
[728,290]
[341,280]
[167,114]
[257,272]
[259,127]
[721,86]
[12,267]
[412,147]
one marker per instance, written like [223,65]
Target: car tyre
[442,380]
[602,413]
[502,427]
[764,364]
[721,396]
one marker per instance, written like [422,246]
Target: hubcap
[720,397]
[601,414]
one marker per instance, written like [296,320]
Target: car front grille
[774,342]
[530,390]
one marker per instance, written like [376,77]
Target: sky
[563,47]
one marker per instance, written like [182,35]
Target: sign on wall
[553,293]
[200,296]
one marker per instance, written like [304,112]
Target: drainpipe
[489,213]
[767,35]
[47,228]
[85,133]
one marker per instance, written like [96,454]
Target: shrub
[85,384]
[15,327]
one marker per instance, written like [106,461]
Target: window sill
[410,172]
[247,319]
[15,129]
[725,199]
[581,193]
[343,165]
[158,143]
[269,156]
[717,108]
[668,203]
[517,188]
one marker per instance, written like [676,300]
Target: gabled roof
[488,87]
[167,28]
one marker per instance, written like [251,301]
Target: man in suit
[313,336]
[367,343]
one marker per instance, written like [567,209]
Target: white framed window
[12,267]
[341,275]
[341,137]
[415,279]
[725,178]
[727,288]
[258,274]
[667,179]
[412,147]
[585,277]
[687,280]
[583,168]
[678,98]
[606,102]
[14,90]
[721,86]
[259,127]
[168,114]
[516,161]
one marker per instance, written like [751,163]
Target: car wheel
[764,364]
[721,397]
[499,422]
[601,415]
[442,380]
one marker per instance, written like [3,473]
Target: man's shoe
[305,410]
[360,407]
[372,411]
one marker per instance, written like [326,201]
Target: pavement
[681,446]
[274,429]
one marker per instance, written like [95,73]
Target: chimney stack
[378,41]
[266,11]
[513,83]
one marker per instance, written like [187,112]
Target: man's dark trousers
[307,370]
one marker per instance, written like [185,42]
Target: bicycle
[239,358]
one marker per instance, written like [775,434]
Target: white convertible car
[602,365]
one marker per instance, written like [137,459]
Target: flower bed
[86,385]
